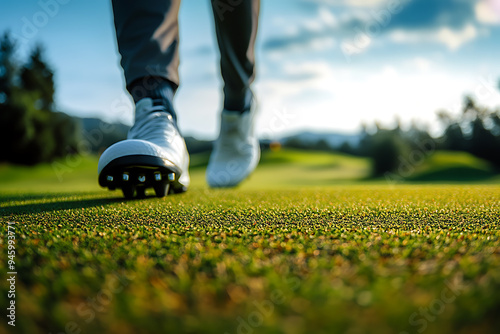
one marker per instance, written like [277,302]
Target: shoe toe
[229,171]
[126,148]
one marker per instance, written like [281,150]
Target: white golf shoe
[236,152]
[153,156]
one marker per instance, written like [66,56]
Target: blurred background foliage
[476,130]
[31,130]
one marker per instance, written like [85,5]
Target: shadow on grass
[57,202]
[27,197]
[454,174]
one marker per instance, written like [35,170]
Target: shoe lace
[153,124]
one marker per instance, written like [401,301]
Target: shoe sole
[133,174]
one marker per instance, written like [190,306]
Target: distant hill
[100,135]
[320,140]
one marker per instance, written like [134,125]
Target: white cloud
[364,3]
[313,69]
[322,43]
[327,17]
[454,39]
[358,29]
[312,33]
[339,99]
[422,64]
[322,96]
[488,11]
[451,38]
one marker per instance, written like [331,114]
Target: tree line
[475,130]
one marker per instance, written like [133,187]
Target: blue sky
[324,65]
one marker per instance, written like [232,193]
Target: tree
[476,130]
[8,68]
[38,77]
[29,126]
[386,148]
[454,138]
[483,143]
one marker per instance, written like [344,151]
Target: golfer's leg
[148,38]
[236,24]
[236,151]
[154,154]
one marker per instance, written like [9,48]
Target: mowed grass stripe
[343,259]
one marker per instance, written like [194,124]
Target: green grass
[274,256]
[282,169]
[453,166]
